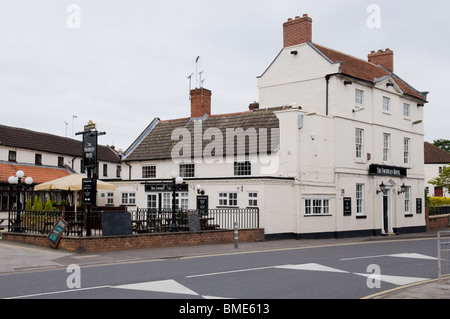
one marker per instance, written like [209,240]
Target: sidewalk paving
[17,257]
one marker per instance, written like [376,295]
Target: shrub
[439,201]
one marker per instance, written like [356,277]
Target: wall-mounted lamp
[200,189]
[403,189]
[382,189]
[240,188]
[348,82]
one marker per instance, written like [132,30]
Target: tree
[443,180]
[442,144]
[48,205]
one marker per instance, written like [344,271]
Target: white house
[435,160]
[334,148]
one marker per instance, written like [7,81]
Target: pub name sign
[388,170]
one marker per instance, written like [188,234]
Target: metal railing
[439,210]
[443,254]
[143,221]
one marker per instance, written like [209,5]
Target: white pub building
[335,147]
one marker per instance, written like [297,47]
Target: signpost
[90,162]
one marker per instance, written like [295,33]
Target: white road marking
[396,280]
[403,255]
[167,286]
[312,267]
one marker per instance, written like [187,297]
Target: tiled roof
[43,142]
[39,174]
[435,155]
[158,144]
[365,70]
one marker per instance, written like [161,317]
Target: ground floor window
[128,198]
[315,207]
[228,199]
[360,199]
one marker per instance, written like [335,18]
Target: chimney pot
[253,106]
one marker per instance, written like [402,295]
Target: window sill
[328,215]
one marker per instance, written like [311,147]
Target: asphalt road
[344,271]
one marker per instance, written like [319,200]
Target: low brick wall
[439,222]
[114,243]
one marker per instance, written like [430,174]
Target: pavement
[17,257]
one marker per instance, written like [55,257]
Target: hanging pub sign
[90,149]
[202,204]
[55,234]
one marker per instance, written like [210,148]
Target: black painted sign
[89,191]
[55,234]
[90,149]
[164,187]
[419,205]
[384,170]
[202,204]
[347,206]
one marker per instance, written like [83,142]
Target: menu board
[55,234]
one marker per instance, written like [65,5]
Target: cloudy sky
[125,62]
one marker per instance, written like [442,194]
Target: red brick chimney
[384,58]
[200,102]
[297,31]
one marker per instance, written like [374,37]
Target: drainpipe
[327,78]
[129,171]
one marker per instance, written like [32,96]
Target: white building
[326,152]
[435,160]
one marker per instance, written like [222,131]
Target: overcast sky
[127,61]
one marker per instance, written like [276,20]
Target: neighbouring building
[46,157]
[334,148]
[435,160]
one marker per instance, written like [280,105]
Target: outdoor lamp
[18,185]
[200,189]
[403,189]
[173,174]
[382,188]
[179,180]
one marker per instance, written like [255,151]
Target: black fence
[439,210]
[142,221]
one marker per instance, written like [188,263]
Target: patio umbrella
[71,183]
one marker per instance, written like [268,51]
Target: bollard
[236,235]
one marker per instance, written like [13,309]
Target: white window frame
[110,198]
[186,170]
[359,143]
[317,207]
[228,199]
[386,104]
[359,97]
[406,150]
[406,110]
[128,198]
[252,199]
[360,199]
[408,200]
[242,168]
[147,175]
[386,147]
[181,200]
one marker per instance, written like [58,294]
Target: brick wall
[436,222]
[103,244]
